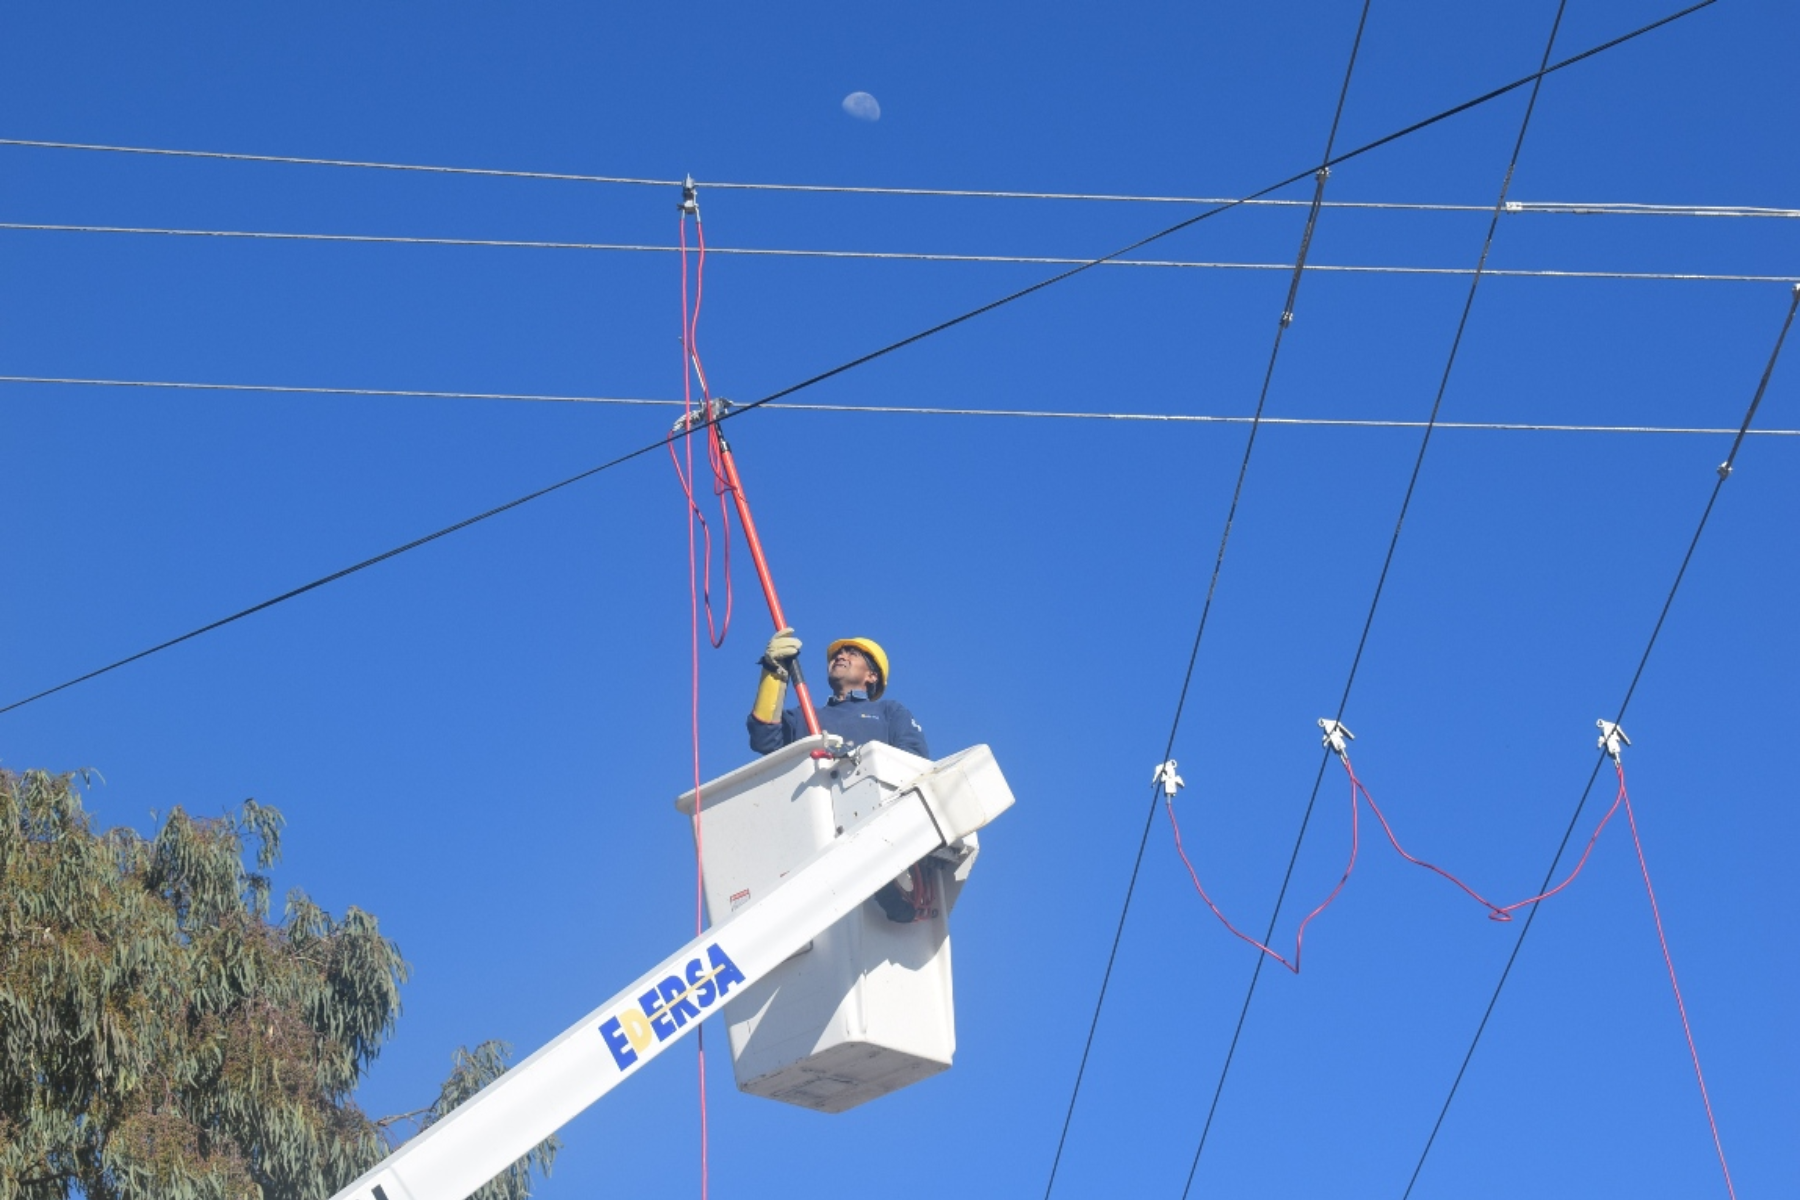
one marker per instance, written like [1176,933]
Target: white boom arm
[500,1123]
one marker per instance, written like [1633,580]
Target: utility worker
[857,669]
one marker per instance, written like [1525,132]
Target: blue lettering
[700,983]
[651,1003]
[621,1049]
[725,972]
[674,995]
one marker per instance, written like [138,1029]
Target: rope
[1558,207]
[895,256]
[1674,985]
[915,410]
[871,356]
[1724,473]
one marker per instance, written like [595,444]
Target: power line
[341,574]
[1237,493]
[1595,208]
[1723,473]
[362,164]
[901,409]
[1381,580]
[881,255]
[891,347]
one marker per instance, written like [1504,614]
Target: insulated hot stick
[736,484]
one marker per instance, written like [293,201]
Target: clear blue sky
[479,740]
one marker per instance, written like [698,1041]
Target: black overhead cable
[822,376]
[1287,316]
[1375,600]
[1724,473]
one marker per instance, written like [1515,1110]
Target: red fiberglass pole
[736,484]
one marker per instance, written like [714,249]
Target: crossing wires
[883,351]
[1320,177]
[1724,472]
[912,410]
[1380,583]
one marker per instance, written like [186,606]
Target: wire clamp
[1612,738]
[1725,470]
[1171,782]
[703,414]
[1334,739]
[690,199]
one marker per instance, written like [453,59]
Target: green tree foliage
[162,1039]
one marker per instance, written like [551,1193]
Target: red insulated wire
[1495,912]
[714,451]
[924,891]
[1300,934]
[694,659]
[1498,914]
[716,630]
[1360,793]
[1668,961]
[1505,914]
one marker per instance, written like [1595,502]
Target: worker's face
[850,670]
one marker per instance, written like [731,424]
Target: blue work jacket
[853,717]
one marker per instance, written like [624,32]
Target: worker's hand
[783,648]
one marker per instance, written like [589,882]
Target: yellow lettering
[637,1029]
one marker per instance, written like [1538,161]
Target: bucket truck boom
[949,800]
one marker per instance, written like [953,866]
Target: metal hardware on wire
[1334,735]
[1612,738]
[703,414]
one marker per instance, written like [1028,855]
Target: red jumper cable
[708,415]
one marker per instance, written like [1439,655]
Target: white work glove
[783,648]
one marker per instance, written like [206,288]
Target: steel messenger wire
[1724,473]
[872,355]
[1577,208]
[905,409]
[1320,177]
[1375,600]
[1041,260]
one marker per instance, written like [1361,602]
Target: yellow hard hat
[872,651]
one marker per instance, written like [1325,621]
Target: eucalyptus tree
[162,1038]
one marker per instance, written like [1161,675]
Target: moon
[862,106]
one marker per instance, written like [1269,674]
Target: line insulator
[1335,735]
[1612,738]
